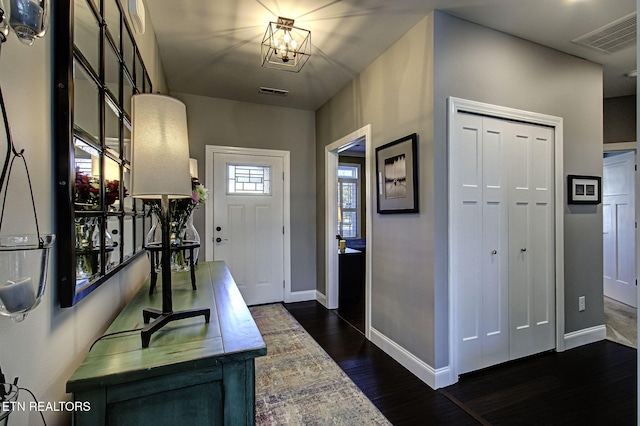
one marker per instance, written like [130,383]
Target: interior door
[502,239]
[618,211]
[480,244]
[531,240]
[248,192]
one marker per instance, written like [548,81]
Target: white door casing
[618,211]
[479,316]
[250,232]
[330,298]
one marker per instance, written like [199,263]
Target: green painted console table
[192,372]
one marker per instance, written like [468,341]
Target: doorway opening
[348,274]
[619,245]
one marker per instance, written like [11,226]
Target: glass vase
[87,248]
[181,232]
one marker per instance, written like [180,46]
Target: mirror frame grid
[109,258]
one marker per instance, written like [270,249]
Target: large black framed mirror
[97,69]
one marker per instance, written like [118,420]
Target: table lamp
[160,170]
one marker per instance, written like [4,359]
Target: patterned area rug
[297,383]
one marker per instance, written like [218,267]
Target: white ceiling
[212,48]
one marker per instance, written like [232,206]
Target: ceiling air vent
[615,36]
[275,92]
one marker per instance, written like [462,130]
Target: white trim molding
[301,296]
[619,146]
[331,220]
[585,336]
[321,298]
[435,378]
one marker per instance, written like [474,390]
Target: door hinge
[283,230]
[283,176]
[283,286]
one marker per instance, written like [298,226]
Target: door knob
[523,250]
[218,229]
[218,240]
[494,251]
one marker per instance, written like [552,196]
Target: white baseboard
[300,296]
[435,378]
[321,298]
[585,336]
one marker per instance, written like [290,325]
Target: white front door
[248,223]
[618,212]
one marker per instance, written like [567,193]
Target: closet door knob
[523,250]
[494,251]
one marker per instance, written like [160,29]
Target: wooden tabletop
[231,334]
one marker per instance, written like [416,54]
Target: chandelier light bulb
[287,36]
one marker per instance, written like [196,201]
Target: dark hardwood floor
[590,385]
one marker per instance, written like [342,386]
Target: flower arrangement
[180,209]
[87,193]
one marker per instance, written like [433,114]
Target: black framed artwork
[397,176]
[584,189]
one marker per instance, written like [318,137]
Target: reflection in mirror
[142,228]
[112,16]
[127,51]
[139,72]
[85,99]
[112,185]
[112,71]
[87,33]
[112,129]
[126,140]
[128,93]
[86,195]
[88,259]
[112,240]
[128,228]
[127,203]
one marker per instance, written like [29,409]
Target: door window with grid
[349,200]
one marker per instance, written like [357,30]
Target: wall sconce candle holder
[23,258]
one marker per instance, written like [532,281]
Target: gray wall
[45,349]
[214,121]
[620,119]
[479,64]
[393,94]
[405,91]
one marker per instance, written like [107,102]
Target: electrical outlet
[581,303]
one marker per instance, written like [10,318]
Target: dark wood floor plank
[593,384]
[399,395]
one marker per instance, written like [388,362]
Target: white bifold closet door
[502,240]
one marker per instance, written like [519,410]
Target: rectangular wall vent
[271,91]
[612,37]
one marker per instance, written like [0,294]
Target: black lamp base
[162,318]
